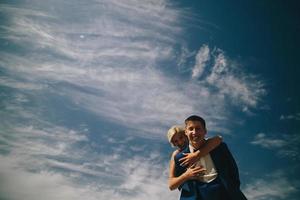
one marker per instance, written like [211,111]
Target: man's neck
[197,145]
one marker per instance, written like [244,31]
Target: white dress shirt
[206,162]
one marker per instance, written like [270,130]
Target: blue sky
[89,89]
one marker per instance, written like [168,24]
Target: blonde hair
[174,130]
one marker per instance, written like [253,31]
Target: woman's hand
[190,158]
[193,172]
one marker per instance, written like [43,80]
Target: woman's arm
[175,182]
[191,158]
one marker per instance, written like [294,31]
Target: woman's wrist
[185,176]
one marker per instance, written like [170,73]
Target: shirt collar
[191,148]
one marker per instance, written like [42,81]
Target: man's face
[179,140]
[195,131]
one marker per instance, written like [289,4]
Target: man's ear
[185,132]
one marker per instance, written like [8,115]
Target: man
[177,138]
[220,181]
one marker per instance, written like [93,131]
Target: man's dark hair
[195,118]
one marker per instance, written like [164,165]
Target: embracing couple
[202,169]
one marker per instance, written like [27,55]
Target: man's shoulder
[219,154]
[223,145]
[220,147]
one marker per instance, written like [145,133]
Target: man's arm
[230,171]
[232,167]
[191,158]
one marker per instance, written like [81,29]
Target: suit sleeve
[232,166]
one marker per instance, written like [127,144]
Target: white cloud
[183,57]
[274,186]
[226,78]
[25,169]
[24,143]
[233,82]
[285,145]
[290,117]
[261,139]
[113,70]
[202,57]
[47,161]
[104,57]
[124,93]
[48,164]
[19,184]
[13,83]
[219,68]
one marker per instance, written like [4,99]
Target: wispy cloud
[109,63]
[50,185]
[227,78]
[285,144]
[272,186]
[202,57]
[261,139]
[104,58]
[120,70]
[290,117]
[61,164]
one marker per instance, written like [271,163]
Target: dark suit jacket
[227,173]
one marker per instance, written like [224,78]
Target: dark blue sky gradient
[264,37]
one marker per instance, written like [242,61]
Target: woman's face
[179,140]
